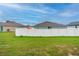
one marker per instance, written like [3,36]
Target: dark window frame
[49,27]
[75,26]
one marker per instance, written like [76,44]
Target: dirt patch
[67,50]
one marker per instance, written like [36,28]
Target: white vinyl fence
[47,32]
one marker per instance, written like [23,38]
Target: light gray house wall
[9,29]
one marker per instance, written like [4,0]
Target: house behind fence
[9,26]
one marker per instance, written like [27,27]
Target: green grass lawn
[10,45]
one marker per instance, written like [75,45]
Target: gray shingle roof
[73,23]
[1,23]
[51,24]
[12,24]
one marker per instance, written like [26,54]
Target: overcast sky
[35,13]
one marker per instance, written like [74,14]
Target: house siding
[73,26]
[5,29]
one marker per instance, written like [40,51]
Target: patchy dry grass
[68,50]
[10,45]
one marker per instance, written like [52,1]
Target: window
[1,28]
[49,27]
[8,30]
[75,26]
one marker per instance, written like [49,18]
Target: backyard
[10,45]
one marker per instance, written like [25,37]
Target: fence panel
[47,32]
